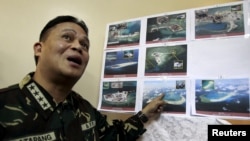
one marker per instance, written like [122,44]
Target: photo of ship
[119,95]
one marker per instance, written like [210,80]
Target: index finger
[160,97]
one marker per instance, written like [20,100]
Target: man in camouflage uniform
[43,107]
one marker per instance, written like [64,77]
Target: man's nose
[77,46]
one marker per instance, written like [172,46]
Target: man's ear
[37,48]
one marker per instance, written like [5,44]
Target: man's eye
[85,46]
[67,37]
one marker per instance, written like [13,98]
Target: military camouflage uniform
[28,113]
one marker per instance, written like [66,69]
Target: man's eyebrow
[68,29]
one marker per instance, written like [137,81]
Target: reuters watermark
[241,132]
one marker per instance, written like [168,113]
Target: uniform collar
[42,100]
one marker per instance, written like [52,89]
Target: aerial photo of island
[166,60]
[122,63]
[166,28]
[222,97]
[119,96]
[174,90]
[219,21]
[124,34]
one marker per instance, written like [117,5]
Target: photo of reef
[223,96]
[174,91]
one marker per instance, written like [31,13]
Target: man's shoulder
[80,99]
[76,95]
[9,89]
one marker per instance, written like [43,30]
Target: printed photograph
[122,63]
[166,60]
[219,21]
[166,28]
[222,97]
[119,95]
[175,94]
[124,34]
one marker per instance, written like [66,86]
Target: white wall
[22,20]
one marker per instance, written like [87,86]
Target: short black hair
[62,19]
[58,20]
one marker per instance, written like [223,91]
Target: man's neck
[58,89]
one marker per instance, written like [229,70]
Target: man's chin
[73,75]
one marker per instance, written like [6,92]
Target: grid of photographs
[182,54]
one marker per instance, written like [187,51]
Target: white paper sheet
[179,128]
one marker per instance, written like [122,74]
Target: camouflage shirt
[28,113]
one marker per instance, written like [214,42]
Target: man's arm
[132,128]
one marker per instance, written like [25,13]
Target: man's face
[64,52]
